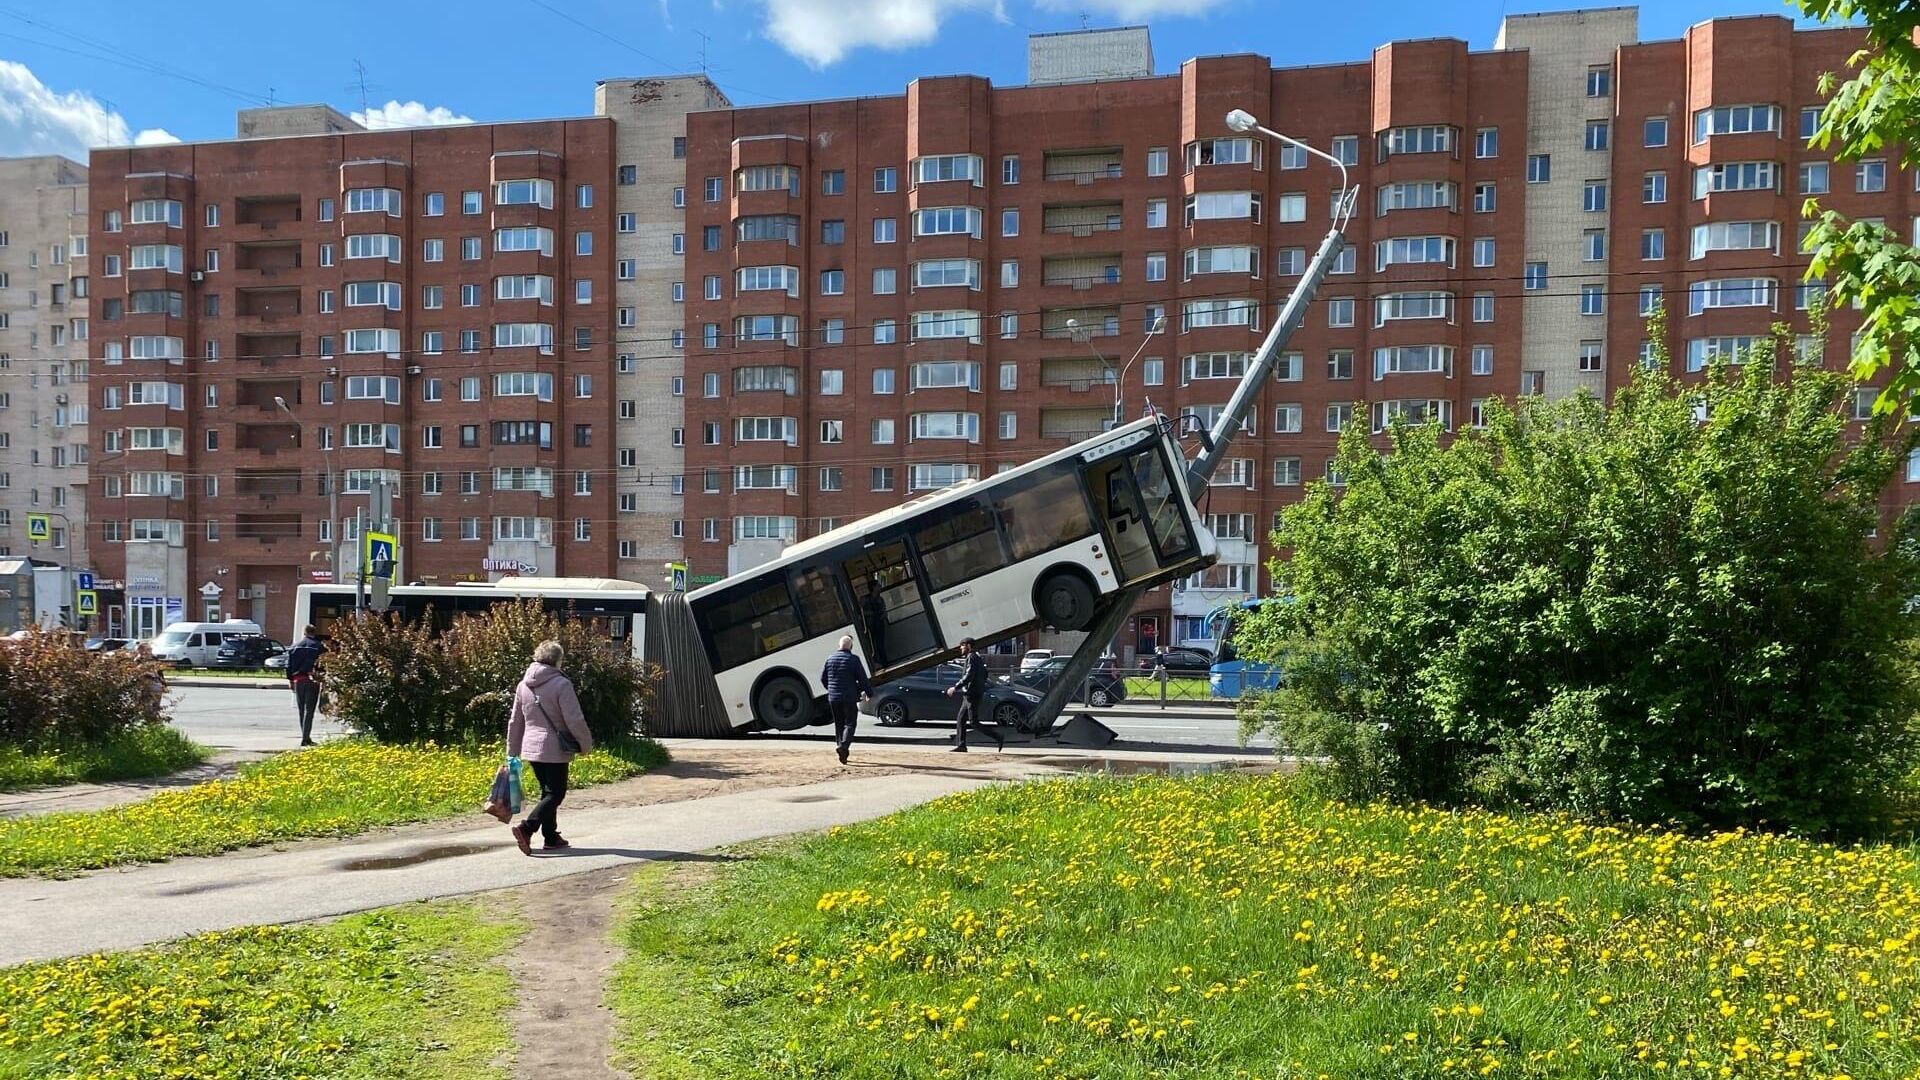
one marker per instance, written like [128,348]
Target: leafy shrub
[400,683]
[1674,609]
[53,693]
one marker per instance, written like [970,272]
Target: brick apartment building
[433,306]
[888,294]
[794,315]
[43,410]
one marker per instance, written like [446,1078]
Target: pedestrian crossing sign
[87,602]
[383,551]
[39,528]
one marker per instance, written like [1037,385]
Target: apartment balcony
[259,308]
[268,484]
[1073,425]
[256,395]
[1078,374]
[1087,166]
[1086,322]
[267,438]
[1081,272]
[267,212]
[262,352]
[265,263]
[1082,219]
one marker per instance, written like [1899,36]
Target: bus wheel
[1064,601]
[783,703]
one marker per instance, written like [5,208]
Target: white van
[195,644]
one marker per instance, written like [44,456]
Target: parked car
[106,644]
[1184,660]
[196,644]
[277,662]
[252,651]
[923,696]
[1034,658]
[1102,688]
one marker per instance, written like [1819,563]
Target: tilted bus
[1037,545]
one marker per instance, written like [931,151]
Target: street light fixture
[1119,384]
[1242,121]
[333,498]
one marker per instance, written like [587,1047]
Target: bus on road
[1037,545]
[1232,675]
[618,607]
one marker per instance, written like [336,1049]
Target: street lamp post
[333,499]
[1119,374]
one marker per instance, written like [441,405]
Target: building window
[885,230]
[1010,169]
[1597,134]
[832,282]
[1483,198]
[1539,168]
[1594,196]
[1483,307]
[1653,188]
[885,281]
[1868,176]
[1590,356]
[1481,360]
[1486,143]
[1593,299]
[1599,82]
[1156,213]
[1009,223]
[1535,276]
[833,182]
[1813,178]
[1157,161]
[1653,244]
[1483,251]
[1340,311]
[886,180]
[833,233]
[1593,243]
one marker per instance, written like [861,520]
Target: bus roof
[914,506]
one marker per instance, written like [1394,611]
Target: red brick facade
[271,316]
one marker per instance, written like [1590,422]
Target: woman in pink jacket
[546,715]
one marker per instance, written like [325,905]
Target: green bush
[1675,609]
[54,693]
[400,683]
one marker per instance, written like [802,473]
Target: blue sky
[84,73]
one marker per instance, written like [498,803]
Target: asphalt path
[255,720]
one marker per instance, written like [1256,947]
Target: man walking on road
[303,674]
[972,689]
[846,681]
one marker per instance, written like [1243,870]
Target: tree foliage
[397,681]
[54,693]
[1874,112]
[1676,609]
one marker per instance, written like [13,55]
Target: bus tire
[1064,601]
[783,703]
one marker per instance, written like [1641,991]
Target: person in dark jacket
[303,675]
[972,689]
[846,681]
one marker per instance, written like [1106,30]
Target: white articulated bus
[618,607]
[1036,545]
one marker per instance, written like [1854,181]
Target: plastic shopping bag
[503,801]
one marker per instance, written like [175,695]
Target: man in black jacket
[972,689]
[845,678]
[303,675]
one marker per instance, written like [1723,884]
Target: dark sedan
[1102,688]
[923,696]
[1184,660]
[247,652]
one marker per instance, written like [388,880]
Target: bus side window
[752,624]
[961,546]
[820,605]
[1044,516]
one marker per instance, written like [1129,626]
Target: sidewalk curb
[239,683]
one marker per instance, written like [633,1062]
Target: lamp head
[1073,324]
[1241,120]
[280,402]
[1159,324]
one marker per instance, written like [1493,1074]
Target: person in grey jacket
[544,705]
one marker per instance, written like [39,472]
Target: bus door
[892,604]
[1141,509]
[1123,516]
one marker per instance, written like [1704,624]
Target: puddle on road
[424,855]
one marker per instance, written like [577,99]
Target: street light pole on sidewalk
[333,499]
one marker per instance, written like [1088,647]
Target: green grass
[337,789]
[1145,689]
[1234,927]
[149,750]
[416,992]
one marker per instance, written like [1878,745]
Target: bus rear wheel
[783,703]
[1064,601]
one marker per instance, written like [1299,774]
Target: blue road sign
[86,580]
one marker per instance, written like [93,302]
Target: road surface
[258,720]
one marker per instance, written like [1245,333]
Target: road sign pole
[360,531]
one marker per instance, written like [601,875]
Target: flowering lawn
[337,789]
[413,992]
[146,750]
[1233,927]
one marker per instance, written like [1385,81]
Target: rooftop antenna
[360,69]
[703,52]
[1083,20]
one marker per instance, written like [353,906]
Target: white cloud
[37,120]
[1134,11]
[822,32]
[396,114]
